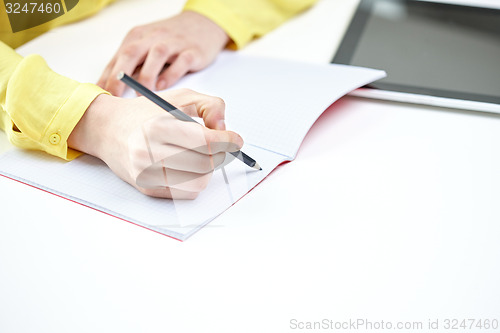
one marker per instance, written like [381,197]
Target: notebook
[271,103]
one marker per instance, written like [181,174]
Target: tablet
[433,53]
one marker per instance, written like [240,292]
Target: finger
[182,64]
[149,152]
[194,104]
[157,176]
[156,59]
[223,141]
[105,74]
[164,130]
[129,58]
[212,110]
[193,161]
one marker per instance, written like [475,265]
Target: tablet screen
[427,48]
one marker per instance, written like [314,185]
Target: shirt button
[55,139]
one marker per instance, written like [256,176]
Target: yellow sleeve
[39,108]
[245,20]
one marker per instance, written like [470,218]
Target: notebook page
[87,180]
[272,103]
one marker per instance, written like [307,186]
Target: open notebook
[271,103]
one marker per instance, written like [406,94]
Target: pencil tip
[257,166]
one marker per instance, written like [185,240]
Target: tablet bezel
[355,30]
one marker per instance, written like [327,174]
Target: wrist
[216,32]
[89,134]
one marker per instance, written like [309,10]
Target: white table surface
[389,213]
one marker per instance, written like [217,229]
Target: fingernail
[221,125]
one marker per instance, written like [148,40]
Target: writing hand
[153,151]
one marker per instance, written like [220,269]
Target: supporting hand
[186,42]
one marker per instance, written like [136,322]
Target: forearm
[91,130]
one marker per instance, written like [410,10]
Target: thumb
[194,104]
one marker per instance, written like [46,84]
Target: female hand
[153,151]
[186,42]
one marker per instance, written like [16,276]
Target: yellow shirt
[39,108]
[244,20]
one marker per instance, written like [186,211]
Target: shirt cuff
[239,32]
[45,107]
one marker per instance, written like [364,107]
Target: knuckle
[159,31]
[188,58]
[130,50]
[160,49]
[218,103]
[214,105]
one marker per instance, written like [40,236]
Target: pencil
[177,113]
